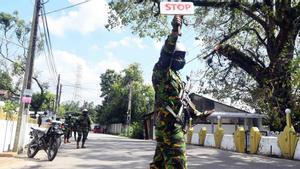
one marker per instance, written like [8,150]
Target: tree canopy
[115,89]
[256,60]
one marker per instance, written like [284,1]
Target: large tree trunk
[277,79]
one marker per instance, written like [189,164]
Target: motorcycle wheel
[32,149]
[52,149]
[58,139]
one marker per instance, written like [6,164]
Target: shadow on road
[113,152]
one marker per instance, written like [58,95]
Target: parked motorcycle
[48,140]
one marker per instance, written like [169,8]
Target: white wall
[269,146]
[228,128]
[7,134]
[228,142]
[195,138]
[115,128]
[209,140]
[297,152]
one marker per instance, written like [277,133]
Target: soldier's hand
[217,47]
[176,22]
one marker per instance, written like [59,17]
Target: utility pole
[128,120]
[59,96]
[56,96]
[24,107]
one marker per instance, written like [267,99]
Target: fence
[7,134]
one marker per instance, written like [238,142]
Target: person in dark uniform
[84,126]
[170,152]
[39,120]
[68,128]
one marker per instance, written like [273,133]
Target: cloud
[95,47]
[87,18]
[110,62]
[126,42]
[73,69]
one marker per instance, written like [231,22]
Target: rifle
[186,106]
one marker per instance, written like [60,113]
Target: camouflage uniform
[83,128]
[68,129]
[170,150]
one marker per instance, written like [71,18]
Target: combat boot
[68,141]
[82,145]
[77,145]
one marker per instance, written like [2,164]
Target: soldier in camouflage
[83,128]
[170,150]
[68,128]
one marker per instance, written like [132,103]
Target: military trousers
[82,134]
[170,152]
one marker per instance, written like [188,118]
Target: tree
[115,103]
[14,35]
[41,101]
[259,43]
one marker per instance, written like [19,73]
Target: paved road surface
[113,152]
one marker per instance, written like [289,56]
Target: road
[113,152]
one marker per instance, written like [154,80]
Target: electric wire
[47,59]
[48,42]
[48,50]
[48,35]
[67,7]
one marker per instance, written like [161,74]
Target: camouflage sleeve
[170,44]
[167,51]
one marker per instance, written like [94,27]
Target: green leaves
[115,90]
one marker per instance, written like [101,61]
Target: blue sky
[80,41]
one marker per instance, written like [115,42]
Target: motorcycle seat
[41,130]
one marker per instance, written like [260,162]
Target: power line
[67,7]
[74,86]
[48,43]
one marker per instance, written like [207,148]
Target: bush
[135,131]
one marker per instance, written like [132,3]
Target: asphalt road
[113,152]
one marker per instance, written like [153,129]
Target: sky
[83,49]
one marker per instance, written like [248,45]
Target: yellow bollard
[239,139]
[202,135]
[219,133]
[190,132]
[287,140]
[255,137]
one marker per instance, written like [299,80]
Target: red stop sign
[173,8]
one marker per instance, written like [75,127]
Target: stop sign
[176,8]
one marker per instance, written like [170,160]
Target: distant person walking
[84,126]
[39,120]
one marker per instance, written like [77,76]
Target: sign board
[177,8]
[27,92]
[26,100]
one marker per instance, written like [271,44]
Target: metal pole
[56,96]
[129,107]
[24,108]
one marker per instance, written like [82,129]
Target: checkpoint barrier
[202,136]
[219,134]
[286,145]
[239,139]
[287,140]
[255,137]
[190,132]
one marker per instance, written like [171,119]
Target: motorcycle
[48,140]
